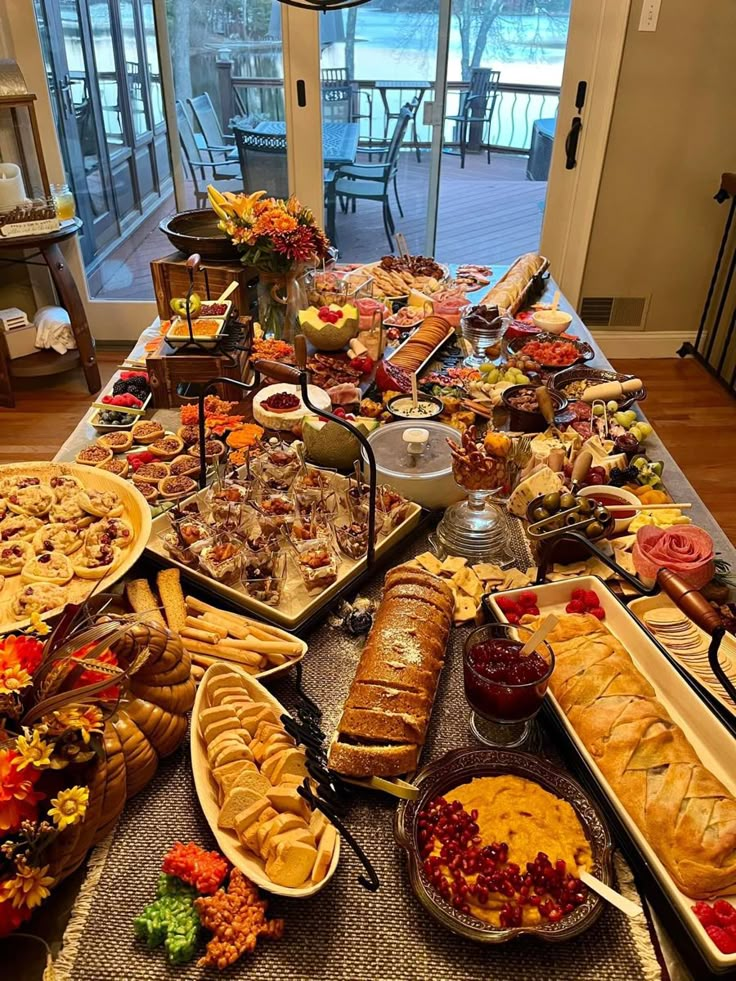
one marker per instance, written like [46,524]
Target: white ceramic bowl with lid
[413,457]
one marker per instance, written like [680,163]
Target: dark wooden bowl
[197,231]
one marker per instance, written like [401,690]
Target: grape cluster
[618,477]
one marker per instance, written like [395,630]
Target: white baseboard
[618,345]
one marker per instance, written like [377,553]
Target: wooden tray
[228,842]
[297,605]
[714,745]
[136,512]
[703,679]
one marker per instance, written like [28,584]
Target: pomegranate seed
[555,914]
[535,900]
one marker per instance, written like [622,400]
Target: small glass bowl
[222,560]
[266,588]
[316,576]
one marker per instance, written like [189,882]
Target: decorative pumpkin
[149,724]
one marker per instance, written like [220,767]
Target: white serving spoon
[610,895]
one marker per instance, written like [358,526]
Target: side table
[48,362]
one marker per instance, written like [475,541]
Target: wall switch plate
[649,15]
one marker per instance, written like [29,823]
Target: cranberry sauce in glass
[500,684]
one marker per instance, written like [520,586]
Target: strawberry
[578,594]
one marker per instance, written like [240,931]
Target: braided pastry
[685,813]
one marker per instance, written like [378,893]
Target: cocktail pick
[555,300]
[414,392]
[546,626]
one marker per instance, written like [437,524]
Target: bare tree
[179,29]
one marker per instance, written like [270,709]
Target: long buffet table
[345,931]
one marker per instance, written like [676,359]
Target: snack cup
[222,559]
[266,588]
[317,564]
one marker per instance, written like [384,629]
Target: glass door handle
[571,143]
[65,86]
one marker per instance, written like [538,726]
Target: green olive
[594,529]
[555,524]
[572,519]
[585,505]
[539,513]
[602,515]
[567,501]
[551,502]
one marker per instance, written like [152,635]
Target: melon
[330,445]
[329,328]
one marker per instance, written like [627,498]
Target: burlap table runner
[344,932]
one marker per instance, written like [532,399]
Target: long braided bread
[684,812]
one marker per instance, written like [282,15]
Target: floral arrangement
[53,704]
[272,234]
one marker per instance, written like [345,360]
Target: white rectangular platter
[710,739]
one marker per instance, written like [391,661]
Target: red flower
[90,676]
[11,918]
[17,797]
[22,651]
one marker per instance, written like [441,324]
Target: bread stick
[271,646]
[222,652]
[230,620]
[205,661]
[201,635]
[202,623]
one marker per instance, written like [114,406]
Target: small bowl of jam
[503,687]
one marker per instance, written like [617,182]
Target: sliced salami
[683,549]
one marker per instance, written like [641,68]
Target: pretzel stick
[202,623]
[203,661]
[197,672]
[229,620]
[223,652]
[271,646]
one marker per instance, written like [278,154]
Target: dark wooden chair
[203,170]
[372,182]
[477,105]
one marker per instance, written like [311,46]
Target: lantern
[22,166]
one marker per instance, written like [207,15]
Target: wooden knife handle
[691,601]
[279,372]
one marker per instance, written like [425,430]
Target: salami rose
[683,549]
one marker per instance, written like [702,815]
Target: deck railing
[510,131]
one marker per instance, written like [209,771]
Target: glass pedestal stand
[475,529]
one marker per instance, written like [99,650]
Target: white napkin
[54,329]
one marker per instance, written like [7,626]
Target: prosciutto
[683,549]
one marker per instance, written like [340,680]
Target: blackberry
[618,477]
[120,387]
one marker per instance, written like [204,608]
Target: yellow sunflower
[69,807]
[33,750]
[28,887]
[13,678]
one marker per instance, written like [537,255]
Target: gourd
[150,723]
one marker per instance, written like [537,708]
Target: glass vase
[280,297]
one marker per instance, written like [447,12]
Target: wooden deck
[487,213]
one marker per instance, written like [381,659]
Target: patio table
[397,85]
[339,140]
[344,932]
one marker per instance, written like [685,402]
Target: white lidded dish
[414,458]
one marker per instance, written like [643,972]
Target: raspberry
[598,612]
[513,617]
[590,598]
[578,594]
[705,913]
[575,605]
[722,939]
[506,603]
[532,611]
[528,598]
[724,912]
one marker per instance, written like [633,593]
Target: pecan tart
[94,455]
[118,465]
[174,487]
[213,449]
[151,473]
[117,442]
[189,435]
[166,448]
[149,491]
[183,465]
[146,431]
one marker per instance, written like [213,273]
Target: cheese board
[230,844]
[714,745]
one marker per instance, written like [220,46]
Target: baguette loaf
[685,813]
[386,714]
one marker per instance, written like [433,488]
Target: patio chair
[219,145]
[477,104]
[263,164]
[371,182]
[202,171]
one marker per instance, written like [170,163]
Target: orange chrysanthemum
[18,799]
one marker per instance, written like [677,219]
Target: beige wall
[673,132]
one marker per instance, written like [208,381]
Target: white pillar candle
[12,192]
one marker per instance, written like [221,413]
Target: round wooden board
[135,511]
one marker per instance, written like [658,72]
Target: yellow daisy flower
[13,678]
[39,626]
[69,807]
[33,750]
[28,887]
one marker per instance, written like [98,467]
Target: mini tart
[174,487]
[94,455]
[58,537]
[38,597]
[118,465]
[96,561]
[70,511]
[146,431]
[110,531]
[213,449]
[35,501]
[117,442]
[189,435]
[13,556]
[19,526]
[151,473]
[103,504]
[64,485]
[53,567]
[166,448]
[184,465]
[149,491]
[16,482]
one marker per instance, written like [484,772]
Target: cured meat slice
[683,549]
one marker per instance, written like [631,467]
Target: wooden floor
[698,434]
[487,213]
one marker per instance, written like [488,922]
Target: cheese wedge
[277,825]
[236,800]
[250,815]
[250,836]
[286,797]
[325,851]
[291,864]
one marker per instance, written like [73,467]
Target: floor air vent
[613,311]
